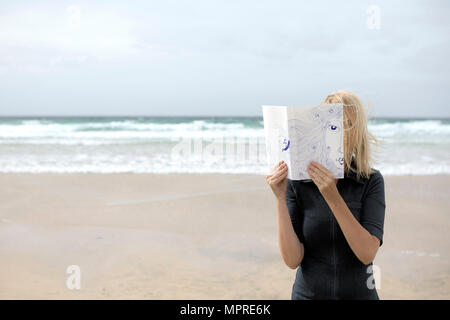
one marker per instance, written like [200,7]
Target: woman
[331,229]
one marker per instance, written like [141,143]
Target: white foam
[128,145]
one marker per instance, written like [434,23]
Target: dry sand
[182,236]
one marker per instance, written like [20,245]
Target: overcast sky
[221,57]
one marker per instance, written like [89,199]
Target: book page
[312,134]
[277,135]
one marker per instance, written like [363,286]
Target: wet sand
[193,236]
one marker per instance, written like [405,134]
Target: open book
[299,135]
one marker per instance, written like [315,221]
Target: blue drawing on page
[318,137]
[284,143]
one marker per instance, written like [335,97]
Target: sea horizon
[146,144]
[195,116]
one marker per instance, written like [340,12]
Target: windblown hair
[358,157]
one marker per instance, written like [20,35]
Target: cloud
[40,39]
[220,56]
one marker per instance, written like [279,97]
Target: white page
[299,135]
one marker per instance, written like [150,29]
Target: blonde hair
[357,138]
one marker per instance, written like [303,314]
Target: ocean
[194,145]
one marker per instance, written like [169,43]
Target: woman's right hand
[277,180]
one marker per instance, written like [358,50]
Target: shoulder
[375,186]
[376,177]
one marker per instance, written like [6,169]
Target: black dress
[330,269]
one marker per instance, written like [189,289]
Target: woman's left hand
[324,180]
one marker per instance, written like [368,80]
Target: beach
[135,141]
[193,236]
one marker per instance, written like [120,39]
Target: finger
[277,180]
[282,165]
[326,174]
[317,174]
[275,167]
[280,178]
[270,177]
[311,174]
[279,172]
[317,180]
[322,175]
[324,179]
[278,165]
[321,168]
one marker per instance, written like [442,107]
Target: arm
[291,248]
[363,244]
